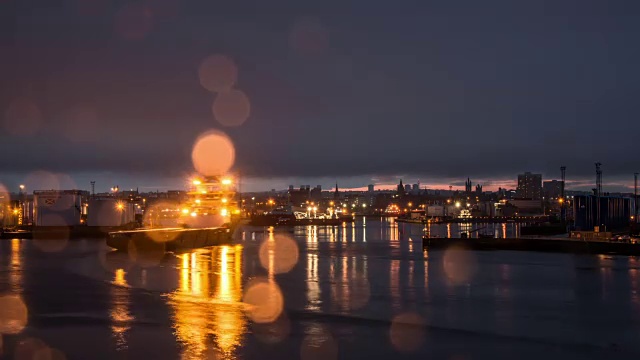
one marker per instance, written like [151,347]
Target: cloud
[431,93]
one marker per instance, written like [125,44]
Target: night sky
[357,92]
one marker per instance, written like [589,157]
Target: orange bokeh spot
[218,73]
[264,301]
[278,254]
[13,314]
[231,108]
[459,264]
[213,153]
[407,332]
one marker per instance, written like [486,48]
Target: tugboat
[207,218]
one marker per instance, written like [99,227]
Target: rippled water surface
[363,290]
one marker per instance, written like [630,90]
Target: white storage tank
[109,212]
[57,207]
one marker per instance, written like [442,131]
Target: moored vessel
[208,217]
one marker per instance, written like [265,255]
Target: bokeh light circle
[22,117]
[5,199]
[48,353]
[28,348]
[45,180]
[218,73]
[264,301]
[231,108]
[213,153]
[279,254]
[459,264]
[319,346]
[13,314]
[407,332]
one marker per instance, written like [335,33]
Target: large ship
[207,217]
[211,203]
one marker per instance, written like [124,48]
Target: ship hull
[170,239]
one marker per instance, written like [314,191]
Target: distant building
[467,186]
[529,186]
[316,193]
[407,188]
[370,188]
[615,212]
[552,189]
[527,206]
[401,190]
[478,189]
[297,197]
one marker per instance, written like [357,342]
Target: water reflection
[120,316]
[15,274]
[313,284]
[207,307]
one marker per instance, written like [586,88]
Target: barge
[557,245]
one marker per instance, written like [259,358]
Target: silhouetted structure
[529,186]
[552,189]
[400,190]
[604,211]
[467,186]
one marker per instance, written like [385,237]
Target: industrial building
[529,186]
[614,212]
[58,207]
[552,189]
[109,212]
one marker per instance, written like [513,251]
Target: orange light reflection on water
[15,274]
[207,304]
[120,316]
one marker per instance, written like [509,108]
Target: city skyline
[45,180]
[315,92]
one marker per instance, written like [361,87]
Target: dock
[556,245]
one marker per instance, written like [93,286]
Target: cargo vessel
[208,217]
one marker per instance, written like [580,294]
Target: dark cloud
[482,89]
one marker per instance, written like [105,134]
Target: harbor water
[362,290]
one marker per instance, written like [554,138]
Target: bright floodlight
[226,181]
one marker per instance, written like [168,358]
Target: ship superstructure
[211,202]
